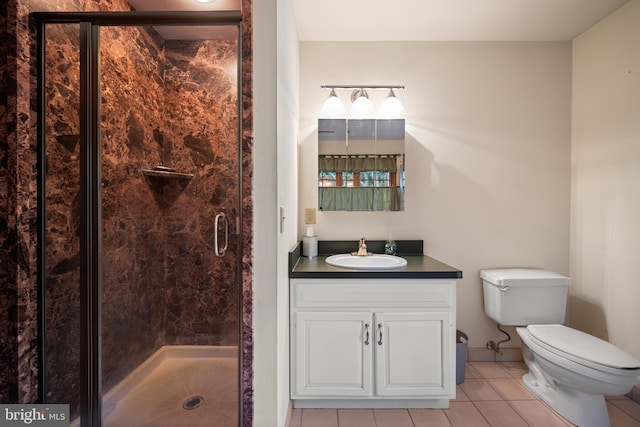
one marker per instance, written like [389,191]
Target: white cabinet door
[413,354]
[333,354]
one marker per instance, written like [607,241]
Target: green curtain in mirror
[359,198]
[358,163]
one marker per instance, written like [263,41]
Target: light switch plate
[282,218]
[310,216]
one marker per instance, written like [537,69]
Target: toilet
[568,369]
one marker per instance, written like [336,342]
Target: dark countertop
[419,266]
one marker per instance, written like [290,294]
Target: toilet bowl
[572,371]
[568,369]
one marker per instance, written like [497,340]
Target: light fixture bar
[362,87]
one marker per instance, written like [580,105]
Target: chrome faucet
[362,248]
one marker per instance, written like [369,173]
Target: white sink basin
[371,262]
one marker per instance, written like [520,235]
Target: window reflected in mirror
[361,164]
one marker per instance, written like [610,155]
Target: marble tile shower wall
[9,233]
[18,201]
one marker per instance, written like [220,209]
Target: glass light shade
[391,106]
[362,107]
[333,106]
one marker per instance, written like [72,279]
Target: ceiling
[428,20]
[448,20]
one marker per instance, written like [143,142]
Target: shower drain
[192,402]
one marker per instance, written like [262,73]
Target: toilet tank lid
[523,277]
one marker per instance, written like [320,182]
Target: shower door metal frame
[90,218]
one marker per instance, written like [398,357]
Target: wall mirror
[361,164]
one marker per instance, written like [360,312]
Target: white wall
[288,92]
[488,154]
[265,217]
[605,202]
[275,74]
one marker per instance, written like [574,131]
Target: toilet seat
[583,348]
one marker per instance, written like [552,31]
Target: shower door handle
[216,229]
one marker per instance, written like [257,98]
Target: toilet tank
[524,296]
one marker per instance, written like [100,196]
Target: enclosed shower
[139,193]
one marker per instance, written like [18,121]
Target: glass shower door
[169,172]
[140,242]
[60,288]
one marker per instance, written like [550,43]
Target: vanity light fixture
[333,106]
[391,106]
[361,104]
[205,1]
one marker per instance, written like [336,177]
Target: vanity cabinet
[372,342]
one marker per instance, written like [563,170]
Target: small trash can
[462,343]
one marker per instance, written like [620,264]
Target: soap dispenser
[390,246]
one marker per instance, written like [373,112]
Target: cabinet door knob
[366,332]
[380,333]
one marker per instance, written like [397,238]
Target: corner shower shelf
[165,172]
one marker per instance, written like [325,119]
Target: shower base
[178,386]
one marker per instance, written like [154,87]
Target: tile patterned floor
[492,395]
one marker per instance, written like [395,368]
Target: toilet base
[582,409]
